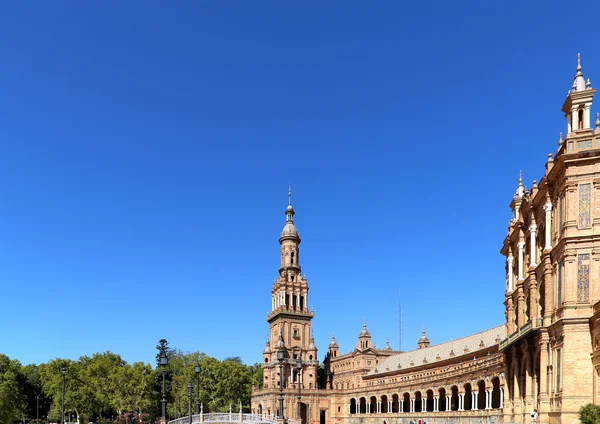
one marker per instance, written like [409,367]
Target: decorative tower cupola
[364,338]
[290,242]
[518,198]
[577,106]
[334,349]
[423,341]
[312,349]
[387,347]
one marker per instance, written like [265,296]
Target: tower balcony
[291,312]
[521,332]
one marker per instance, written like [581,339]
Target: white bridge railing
[226,417]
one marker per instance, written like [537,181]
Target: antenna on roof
[399,323]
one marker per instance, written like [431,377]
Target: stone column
[501,397]
[298,301]
[448,403]
[436,404]
[586,115]
[390,405]
[533,243]
[521,259]
[423,404]
[510,316]
[475,400]
[510,262]
[548,236]
[461,401]
[412,405]
[574,119]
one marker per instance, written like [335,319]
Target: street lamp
[164,361]
[190,388]
[63,371]
[280,359]
[298,379]
[197,371]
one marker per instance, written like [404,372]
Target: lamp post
[190,388]
[298,377]
[197,371]
[164,361]
[280,359]
[63,372]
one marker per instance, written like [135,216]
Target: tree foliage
[106,389]
[589,414]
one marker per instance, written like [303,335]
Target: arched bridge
[229,418]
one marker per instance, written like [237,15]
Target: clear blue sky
[146,150]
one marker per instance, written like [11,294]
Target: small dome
[333,343]
[423,338]
[387,346]
[364,332]
[267,348]
[289,230]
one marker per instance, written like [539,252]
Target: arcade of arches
[469,397]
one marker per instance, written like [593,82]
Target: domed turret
[364,338]
[267,348]
[311,345]
[364,332]
[387,347]
[423,341]
[333,343]
[290,230]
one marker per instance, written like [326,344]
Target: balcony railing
[523,330]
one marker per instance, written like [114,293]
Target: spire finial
[290,194]
[520,177]
[578,62]
[560,140]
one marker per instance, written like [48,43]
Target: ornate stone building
[552,254]
[546,357]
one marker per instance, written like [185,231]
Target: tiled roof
[469,344]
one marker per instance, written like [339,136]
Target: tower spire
[290,195]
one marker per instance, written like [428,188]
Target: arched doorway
[352,406]
[303,413]
[454,398]
[468,399]
[395,403]
[363,406]
[429,401]
[481,397]
[384,404]
[418,402]
[496,393]
[406,403]
[442,399]
[259,410]
[373,405]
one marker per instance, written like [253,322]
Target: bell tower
[290,318]
[577,106]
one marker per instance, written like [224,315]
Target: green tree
[589,414]
[12,401]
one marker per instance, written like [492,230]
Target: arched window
[292,257]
